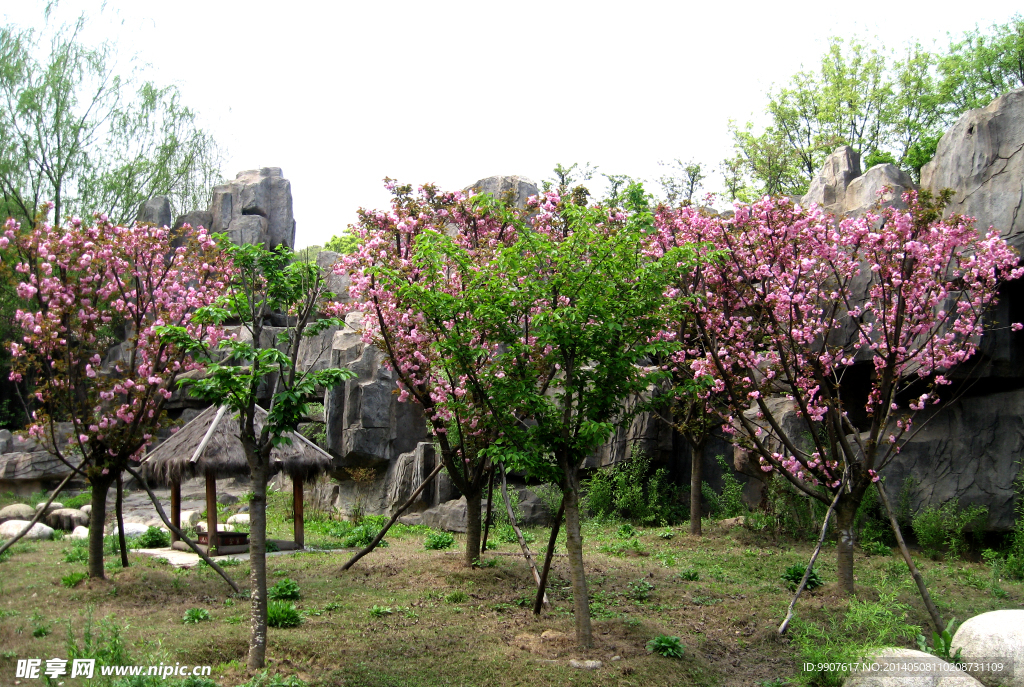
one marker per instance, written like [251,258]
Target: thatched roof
[224,454]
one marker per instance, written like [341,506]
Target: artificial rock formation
[255,207]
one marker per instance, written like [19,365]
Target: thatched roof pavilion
[210,446]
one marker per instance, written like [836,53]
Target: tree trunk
[846,511]
[100,486]
[258,570]
[473,503]
[574,547]
[118,509]
[696,468]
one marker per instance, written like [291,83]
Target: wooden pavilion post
[175,509]
[297,504]
[211,512]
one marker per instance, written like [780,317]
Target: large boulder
[990,637]
[943,675]
[514,188]
[982,159]
[17,511]
[131,529]
[255,207]
[6,441]
[449,516]
[67,519]
[79,533]
[884,184]
[828,189]
[52,506]
[367,426]
[156,210]
[12,528]
[390,486]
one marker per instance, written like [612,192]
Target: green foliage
[795,573]
[79,500]
[72,579]
[982,66]
[728,504]
[689,574]
[194,616]
[943,526]
[439,540]
[664,645]
[362,535]
[629,490]
[942,644]
[344,244]
[640,590]
[876,548]
[457,597]
[282,613]
[284,589]
[78,552]
[91,140]
[105,643]
[380,611]
[152,538]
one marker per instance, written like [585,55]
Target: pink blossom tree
[91,287]
[410,278]
[800,301]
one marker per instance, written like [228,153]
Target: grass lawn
[405,615]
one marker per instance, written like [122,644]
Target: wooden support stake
[175,510]
[297,506]
[211,511]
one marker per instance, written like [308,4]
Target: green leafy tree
[265,282]
[683,180]
[346,244]
[980,67]
[773,164]
[75,133]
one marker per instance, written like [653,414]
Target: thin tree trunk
[933,611]
[810,566]
[118,509]
[527,554]
[574,547]
[490,503]
[547,559]
[473,504]
[258,570]
[394,518]
[38,516]
[181,535]
[696,479]
[846,511]
[100,486]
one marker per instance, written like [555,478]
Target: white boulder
[12,528]
[991,637]
[948,677]
[17,511]
[79,533]
[239,519]
[131,529]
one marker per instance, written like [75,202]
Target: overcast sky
[340,95]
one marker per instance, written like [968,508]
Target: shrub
[599,490]
[457,597]
[439,540]
[194,616]
[152,538]
[72,579]
[729,503]
[876,548]
[689,574]
[640,590]
[795,573]
[630,491]
[282,614]
[380,611]
[83,499]
[664,645]
[78,552]
[361,536]
[285,589]
[943,526]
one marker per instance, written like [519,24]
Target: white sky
[342,94]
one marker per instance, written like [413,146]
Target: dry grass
[725,618]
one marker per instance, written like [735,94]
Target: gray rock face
[34,466]
[968,450]
[982,159]
[828,189]
[17,511]
[515,188]
[864,192]
[449,516]
[392,485]
[366,424]
[195,219]
[256,206]
[336,283]
[156,210]
[991,635]
[67,519]
[6,441]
